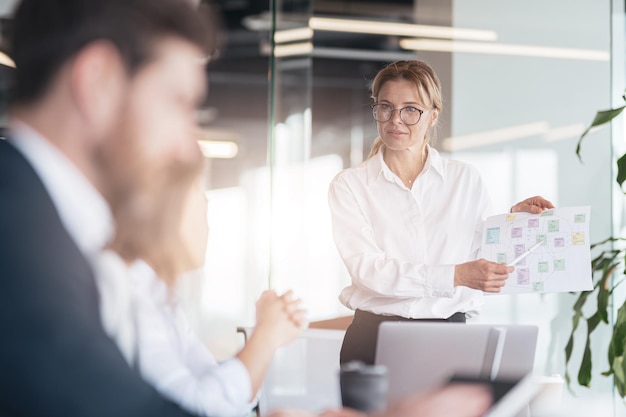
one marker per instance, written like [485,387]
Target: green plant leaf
[578,313]
[618,374]
[621,170]
[568,348]
[592,322]
[611,357]
[616,350]
[601,118]
[584,372]
[580,302]
[603,304]
[618,367]
[618,339]
[605,258]
[603,268]
[604,291]
[578,305]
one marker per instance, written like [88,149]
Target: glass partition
[288,108]
[517,113]
[521,82]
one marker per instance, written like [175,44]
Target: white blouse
[401,245]
[152,332]
[117,308]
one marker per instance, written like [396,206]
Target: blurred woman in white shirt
[161,235]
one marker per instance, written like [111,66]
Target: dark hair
[48,33]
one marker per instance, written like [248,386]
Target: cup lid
[362,368]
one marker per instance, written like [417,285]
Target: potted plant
[610,260]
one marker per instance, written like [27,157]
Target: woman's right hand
[482,275]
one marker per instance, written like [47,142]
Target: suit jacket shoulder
[55,359]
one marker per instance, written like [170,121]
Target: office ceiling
[339,85]
[237,13]
[243,53]
[239,77]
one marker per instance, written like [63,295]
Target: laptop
[518,354]
[421,356]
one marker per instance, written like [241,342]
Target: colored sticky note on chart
[578,238]
[492,237]
[553,226]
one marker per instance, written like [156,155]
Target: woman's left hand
[533,205]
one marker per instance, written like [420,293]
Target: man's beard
[145,197]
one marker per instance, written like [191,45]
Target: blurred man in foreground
[104,102]
[105,98]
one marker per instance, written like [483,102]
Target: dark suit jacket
[55,359]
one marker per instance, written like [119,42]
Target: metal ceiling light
[296,34]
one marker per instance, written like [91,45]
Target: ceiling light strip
[293,49]
[504,49]
[361,54]
[490,137]
[564,132]
[399,29]
[291,35]
[6,60]
[218,149]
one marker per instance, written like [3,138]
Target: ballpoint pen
[525,253]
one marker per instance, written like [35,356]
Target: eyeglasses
[409,115]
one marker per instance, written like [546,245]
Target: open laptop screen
[421,356]
[424,355]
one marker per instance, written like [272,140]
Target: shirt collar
[84,213]
[148,282]
[435,162]
[377,167]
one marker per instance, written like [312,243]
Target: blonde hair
[417,72]
[148,223]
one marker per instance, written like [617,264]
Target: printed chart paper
[562,263]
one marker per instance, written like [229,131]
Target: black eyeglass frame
[373,106]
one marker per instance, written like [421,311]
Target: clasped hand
[281,316]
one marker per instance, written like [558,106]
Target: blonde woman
[162,234]
[407,222]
